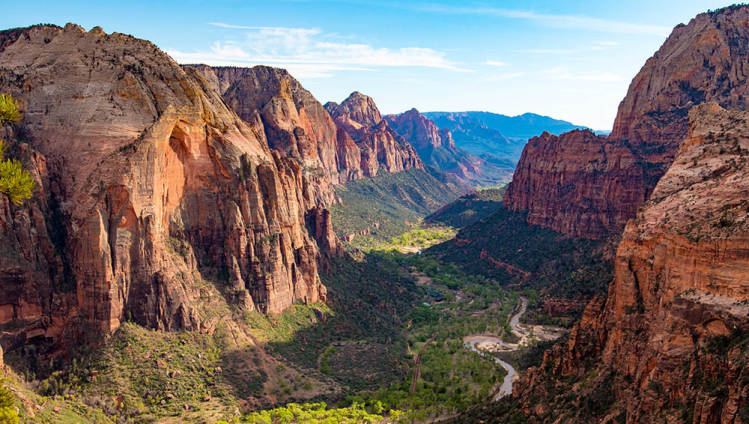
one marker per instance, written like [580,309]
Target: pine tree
[15,181]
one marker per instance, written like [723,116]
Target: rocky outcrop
[293,121]
[380,147]
[705,60]
[670,340]
[436,148]
[147,184]
[568,183]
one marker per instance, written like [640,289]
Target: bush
[8,413]
[15,181]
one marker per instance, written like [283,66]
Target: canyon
[669,340]
[184,225]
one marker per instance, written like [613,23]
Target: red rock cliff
[569,185]
[381,148]
[147,183]
[294,122]
[435,146]
[672,334]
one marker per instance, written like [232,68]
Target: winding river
[472,341]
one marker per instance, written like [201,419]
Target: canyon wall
[671,340]
[436,148]
[149,186]
[584,186]
[381,148]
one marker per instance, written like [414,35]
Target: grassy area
[420,238]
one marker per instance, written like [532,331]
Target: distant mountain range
[494,137]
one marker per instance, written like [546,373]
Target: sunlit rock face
[381,148]
[585,186]
[671,328]
[148,183]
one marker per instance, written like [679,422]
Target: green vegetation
[505,247]
[313,413]
[389,204]
[8,412]
[9,110]
[15,181]
[469,209]
[151,374]
[420,238]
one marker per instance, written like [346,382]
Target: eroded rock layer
[671,340]
[148,187]
[360,123]
[705,60]
[436,148]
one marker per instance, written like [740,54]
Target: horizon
[571,62]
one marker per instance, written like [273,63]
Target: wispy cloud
[555,21]
[309,52]
[496,63]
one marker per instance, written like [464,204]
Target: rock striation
[381,148]
[705,60]
[149,185]
[436,148]
[670,340]
[294,122]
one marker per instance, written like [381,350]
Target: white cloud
[307,52]
[555,21]
[496,63]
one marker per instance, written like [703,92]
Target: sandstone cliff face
[380,147]
[147,182]
[673,334]
[293,121]
[705,60]
[567,183]
[435,146]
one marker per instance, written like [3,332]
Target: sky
[571,60]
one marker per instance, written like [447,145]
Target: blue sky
[568,59]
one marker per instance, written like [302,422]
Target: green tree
[9,112]
[15,181]
[8,413]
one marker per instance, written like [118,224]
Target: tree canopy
[15,181]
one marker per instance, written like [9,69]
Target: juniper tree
[15,181]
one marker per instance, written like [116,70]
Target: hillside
[468,209]
[436,148]
[675,318]
[383,207]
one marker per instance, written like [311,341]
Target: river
[471,341]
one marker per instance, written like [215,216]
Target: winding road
[471,342]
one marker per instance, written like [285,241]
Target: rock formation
[293,121]
[436,146]
[362,125]
[148,184]
[671,339]
[705,60]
